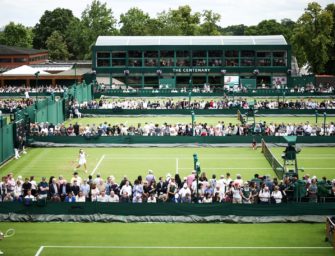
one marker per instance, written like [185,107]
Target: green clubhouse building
[192,61]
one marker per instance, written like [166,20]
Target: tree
[176,22]
[330,65]
[17,35]
[288,28]
[187,22]
[272,27]
[313,37]
[57,47]
[97,20]
[209,26]
[134,22]
[56,20]
[76,40]
[266,27]
[234,30]
[157,27]
[164,25]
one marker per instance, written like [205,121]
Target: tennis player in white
[81,160]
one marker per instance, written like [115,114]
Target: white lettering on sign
[191,70]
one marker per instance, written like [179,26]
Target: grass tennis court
[132,162]
[77,239]
[211,120]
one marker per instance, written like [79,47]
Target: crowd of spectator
[227,88]
[13,104]
[173,189]
[224,103]
[200,129]
[41,89]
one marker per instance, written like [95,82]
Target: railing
[215,93]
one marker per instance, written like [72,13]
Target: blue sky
[233,12]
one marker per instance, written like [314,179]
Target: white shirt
[94,193]
[277,195]
[81,199]
[82,156]
[114,199]
[183,191]
[126,189]
[236,193]
[30,197]
[222,184]
[78,179]
[85,188]
[264,196]
[103,199]
[152,200]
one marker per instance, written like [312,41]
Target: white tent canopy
[25,70]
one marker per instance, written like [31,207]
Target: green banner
[248,83]
[167,83]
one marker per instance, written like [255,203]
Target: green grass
[315,161]
[30,236]
[137,161]
[212,120]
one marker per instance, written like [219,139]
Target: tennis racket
[9,233]
[73,163]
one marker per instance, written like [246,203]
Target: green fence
[196,141]
[50,111]
[169,209]
[6,140]
[80,92]
[46,110]
[232,111]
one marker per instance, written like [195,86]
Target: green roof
[189,40]
[12,50]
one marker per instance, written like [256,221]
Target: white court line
[39,251]
[188,247]
[96,167]
[220,168]
[250,168]
[217,157]
[184,158]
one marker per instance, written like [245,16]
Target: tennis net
[276,166]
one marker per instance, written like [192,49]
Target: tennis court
[48,239]
[318,161]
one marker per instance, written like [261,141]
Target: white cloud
[248,12]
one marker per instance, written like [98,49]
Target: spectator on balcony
[312,191]
[113,198]
[137,192]
[29,198]
[43,189]
[80,198]
[276,195]
[102,197]
[264,195]
[70,198]
[126,192]
[94,192]
[54,191]
[236,193]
